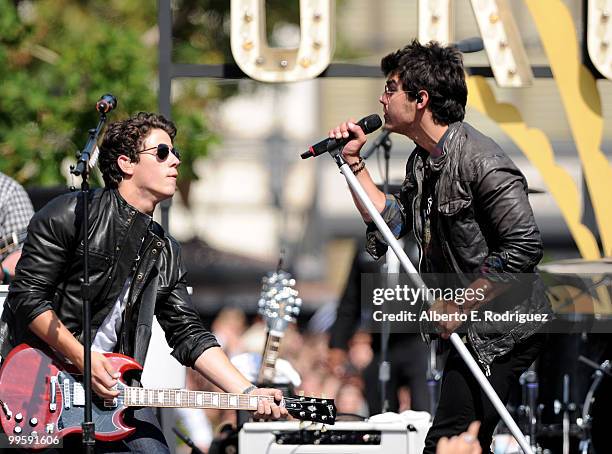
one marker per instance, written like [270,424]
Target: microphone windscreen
[370,123]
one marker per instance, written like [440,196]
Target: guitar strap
[145,317]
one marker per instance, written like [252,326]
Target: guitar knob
[17,429]
[33,421]
[18,417]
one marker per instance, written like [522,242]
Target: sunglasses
[162,151]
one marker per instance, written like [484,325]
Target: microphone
[469,45]
[369,124]
[106,103]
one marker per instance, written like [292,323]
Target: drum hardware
[582,429]
[586,420]
[566,407]
[529,410]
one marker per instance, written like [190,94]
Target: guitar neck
[12,240]
[270,355]
[184,398]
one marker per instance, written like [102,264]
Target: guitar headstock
[278,302]
[311,409]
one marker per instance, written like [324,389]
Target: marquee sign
[508,60]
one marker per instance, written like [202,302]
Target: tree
[56,58]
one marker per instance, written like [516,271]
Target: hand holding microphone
[349,135]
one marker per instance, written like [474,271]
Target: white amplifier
[386,433]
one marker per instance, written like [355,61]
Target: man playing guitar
[135,271]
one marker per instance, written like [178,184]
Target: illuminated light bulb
[493,18]
[305,62]
[247,45]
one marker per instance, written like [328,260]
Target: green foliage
[56,58]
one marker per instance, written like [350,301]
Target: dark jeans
[148,438]
[463,401]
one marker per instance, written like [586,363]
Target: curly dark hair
[126,137]
[436,69]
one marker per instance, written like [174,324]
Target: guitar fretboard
[183,398]
[270,355]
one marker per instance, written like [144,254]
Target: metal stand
[82,169]
[586,422]
[391,268]
[418,282]
[529,406]
[434,375]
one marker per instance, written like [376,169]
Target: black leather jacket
[485,227]
[49,276]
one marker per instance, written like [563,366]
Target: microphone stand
[390,268]
[416,281]
[82,169]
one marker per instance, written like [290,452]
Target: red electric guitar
[40,396]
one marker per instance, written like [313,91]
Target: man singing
[134,266]
[466,203]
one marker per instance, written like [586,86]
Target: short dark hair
[436,69]
[126,137]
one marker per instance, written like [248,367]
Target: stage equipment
[106,103]
[385,433]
